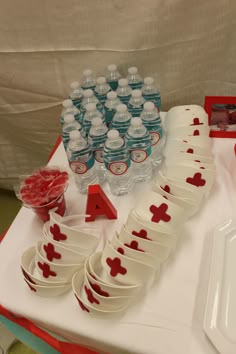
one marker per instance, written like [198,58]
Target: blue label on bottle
[136,86]
[113,84]
[124,99]
[109,114]
[77,102]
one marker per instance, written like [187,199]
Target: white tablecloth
[169,319]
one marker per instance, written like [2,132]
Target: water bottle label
[77,102]
[136,85]
[113,84]
[138,155]
[81,167]
[155,137]
[98,155]
[118,168]
[109,114]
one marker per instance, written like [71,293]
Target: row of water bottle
[106,155]
[113,81]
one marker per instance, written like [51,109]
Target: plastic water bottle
[139,144]
[110,106]
[152,121]
[81,161]
[68,107]
[90,114]
[112,76]
[101,89]
[76,94]
[136,102]
[88,80]
[151,92]
[70,124]
[89,97]
[121,119]
[124,91]
[134,79]
[96,138]
[118,164]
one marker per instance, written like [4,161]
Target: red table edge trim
[60,346]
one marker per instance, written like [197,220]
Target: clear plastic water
[88,80]
[112,76]
[118,164]
[139,144]
[110,106]
[134,79]
[151,92]
[89,97]
[91,113]
[76,93]
[68,107]
[81,161]
[121,119]
[136,102]
[152,121]
[124,91]
[96,138]
[101,89]
[70,124]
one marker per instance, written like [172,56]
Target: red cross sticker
[99,290]
[159,213]
[196,132]
[196,121]
[46,270]
[134,246]
[166,189]
[90,296]
[31,287]
[50,252]
[81,304]
[57,235]
[116,267]
[196,180]
[142,234]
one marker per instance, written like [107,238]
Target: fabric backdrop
[188,46]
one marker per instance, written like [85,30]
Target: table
[168,319]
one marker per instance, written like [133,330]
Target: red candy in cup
[43,191]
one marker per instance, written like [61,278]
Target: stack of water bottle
[112,130]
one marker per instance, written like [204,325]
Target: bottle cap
[96,122]
[136,93]
[133,70]
[111,95]
[69,118]
[113,134]
[90,107]
[121,108]
[148,80]
[87,72]
[101,80]
[112,67]
[75,135]
[123,82]
[67,103]
[149,106]
[74,85]
[88,93]
[136,122]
